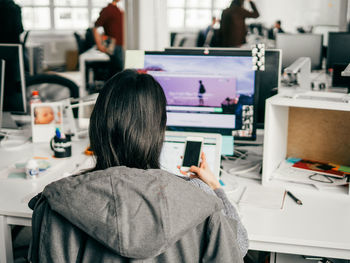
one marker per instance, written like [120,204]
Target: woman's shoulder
[198,183]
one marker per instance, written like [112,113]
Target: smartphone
[192,153]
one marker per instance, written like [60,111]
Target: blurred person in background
[277,28]
[112,20]
[10,22]
[233,29]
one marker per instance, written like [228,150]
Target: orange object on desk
[88,151]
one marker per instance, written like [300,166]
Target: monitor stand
[8,122]
[13,137]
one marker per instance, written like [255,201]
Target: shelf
[307,129]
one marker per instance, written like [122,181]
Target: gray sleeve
[229,211]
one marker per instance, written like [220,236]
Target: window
[60,14]
[194,14]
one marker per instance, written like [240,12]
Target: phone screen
[192,153]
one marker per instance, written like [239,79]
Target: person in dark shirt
[111,19]
[277,28]
[233,29]
[10,22]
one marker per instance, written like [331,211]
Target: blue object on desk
[227,145]
[221,182]
[293,160]
[58,133]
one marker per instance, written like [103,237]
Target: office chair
[43,81]
[52,88]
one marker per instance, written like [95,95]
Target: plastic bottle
[35,98]
[32,169]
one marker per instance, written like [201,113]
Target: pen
[58,133]
[294,198]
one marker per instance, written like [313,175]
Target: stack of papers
[287,172]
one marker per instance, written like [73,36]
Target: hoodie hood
[136,213]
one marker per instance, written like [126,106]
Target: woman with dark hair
[233,30]
[126,209]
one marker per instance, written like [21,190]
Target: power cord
[233,170]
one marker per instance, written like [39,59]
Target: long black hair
[128,122]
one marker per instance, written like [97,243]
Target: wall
[147,24]
[295,13]
[55,46]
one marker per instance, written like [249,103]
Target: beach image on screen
[196,90]
[220,67]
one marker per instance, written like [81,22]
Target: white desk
[15,193]
[317,228]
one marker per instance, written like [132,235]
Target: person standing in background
[233,29]
[112,20]
[277,28]
[10,22]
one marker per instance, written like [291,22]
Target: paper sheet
[263,197]
[286,172]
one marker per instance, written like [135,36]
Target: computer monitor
[212,92]
[269,79]
[294,46]
[2,84]
[338,52]
[14,99]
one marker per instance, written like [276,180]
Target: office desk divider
[307,129]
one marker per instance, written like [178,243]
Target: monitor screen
[14,90]
[206,93]
[294,46]
[338,52]
[269,79]
[2,81]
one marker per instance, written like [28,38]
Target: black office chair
[51,87]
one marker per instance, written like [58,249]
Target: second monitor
[294,46]
[13,96]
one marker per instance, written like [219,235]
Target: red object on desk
[319,167]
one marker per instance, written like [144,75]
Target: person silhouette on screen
[201,91]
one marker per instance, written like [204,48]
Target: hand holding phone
[204,173]
[192,153]
[192,163]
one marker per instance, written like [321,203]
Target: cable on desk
[239,172]
[233,184]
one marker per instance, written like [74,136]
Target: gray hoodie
[130,215]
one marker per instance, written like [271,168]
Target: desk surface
[318,227]
[94,55]
[15,193]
